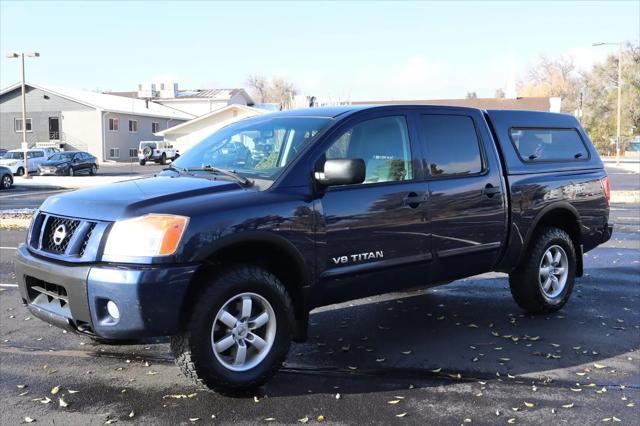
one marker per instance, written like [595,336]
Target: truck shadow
[468,330]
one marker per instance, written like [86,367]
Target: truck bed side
[565,193]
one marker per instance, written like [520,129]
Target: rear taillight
[606,187]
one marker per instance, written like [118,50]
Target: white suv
[14,160]
[157,151]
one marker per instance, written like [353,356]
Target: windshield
[148,144]
[62,156]
[259,147]
[15,155]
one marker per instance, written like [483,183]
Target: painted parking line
[9,285]
[8,248]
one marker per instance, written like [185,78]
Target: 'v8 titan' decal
[352,258]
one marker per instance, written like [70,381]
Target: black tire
[93,170]
[163,159]
[71,172]
[20,171]
[143,162]
[525,281]
[7,181]
[193,349]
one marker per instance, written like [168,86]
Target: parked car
[632,150]
[69,163]
[6,177]
[14,160]
[351,202]
[2,152]
[157,151]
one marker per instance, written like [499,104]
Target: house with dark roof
[107,126]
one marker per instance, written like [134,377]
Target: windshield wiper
[228,173]
[179,170]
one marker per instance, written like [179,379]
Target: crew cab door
[373,237]
[467,202]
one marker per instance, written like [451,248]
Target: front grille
[68,239]
[58,232]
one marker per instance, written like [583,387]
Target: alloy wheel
[243,331]
[553,272]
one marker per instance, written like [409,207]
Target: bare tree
[282,91]
[499,94]
[554,77]
[277,90]
[471,95]
[258,86]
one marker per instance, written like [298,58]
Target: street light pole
[619,104]
[619,113]
[24,105]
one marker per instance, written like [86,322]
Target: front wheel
[94,170]
[239,333]
[143,162]
[163,159]
[71,172]
[544,281]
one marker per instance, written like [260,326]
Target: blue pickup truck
[229,248]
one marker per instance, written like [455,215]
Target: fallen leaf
[576,389]
[72,391]
[132,414]
[599,366]
[305,419]
[29,419]
[269,419]
[320,418]
[393,401]
[45,400]
[62,403]
[194,419]
[401,415]
[338,396]
[568,405]
[511,421]
[529,404]
[406,352]
[55,390]
[437,370]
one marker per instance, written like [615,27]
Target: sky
[361,50]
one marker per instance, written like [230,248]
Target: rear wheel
[163,159]
[7,181]
[71,172]
[143,162]
[544,281]
[239,333]
[20,171]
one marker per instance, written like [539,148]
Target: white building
[196,102]
[185,135]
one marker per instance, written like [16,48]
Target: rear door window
[548,144]
[452,146]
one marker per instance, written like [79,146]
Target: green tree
[601,97]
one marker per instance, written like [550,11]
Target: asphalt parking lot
[457,354]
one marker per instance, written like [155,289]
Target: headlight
[146,236]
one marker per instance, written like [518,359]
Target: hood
[9,161]
[133,197]
[48,163]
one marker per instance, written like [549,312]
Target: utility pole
[21,55]
[619,113]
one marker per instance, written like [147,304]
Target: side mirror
[342,172]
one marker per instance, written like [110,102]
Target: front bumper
[74,297]
[52,171]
